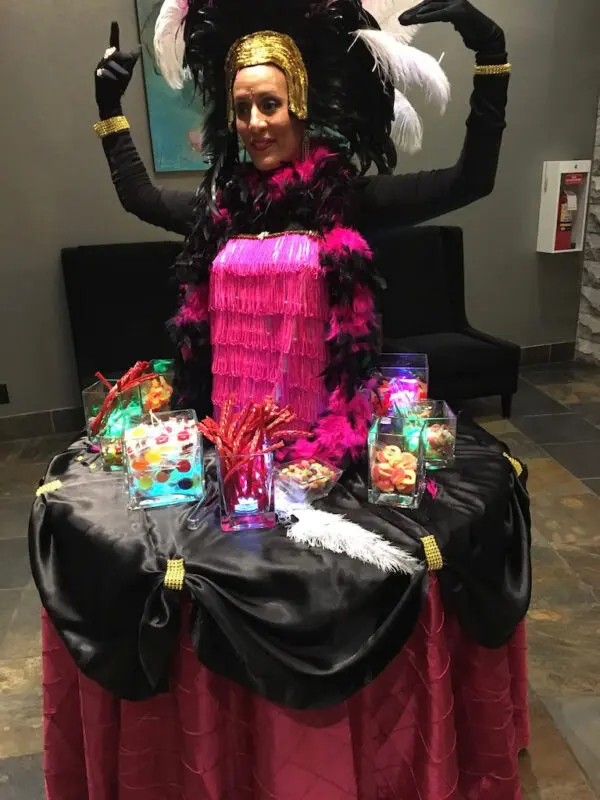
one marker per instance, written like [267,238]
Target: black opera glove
[479,32]
[113,75]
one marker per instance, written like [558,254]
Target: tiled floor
[556,429]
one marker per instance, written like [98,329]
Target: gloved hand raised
[113,75]
[479,32]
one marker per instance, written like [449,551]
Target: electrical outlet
[4,398]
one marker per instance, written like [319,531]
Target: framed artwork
[175,117]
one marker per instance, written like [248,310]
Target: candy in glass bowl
[406,378]
[107,417]
[307,480]
[163,459]
[156,393]
[396,465]
[436,422]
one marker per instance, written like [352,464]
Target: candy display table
[280,672]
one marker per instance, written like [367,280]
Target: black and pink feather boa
[308,195]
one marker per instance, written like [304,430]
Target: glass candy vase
[396,466]
[434,422]
[247,491]
[108,436]
[406,377]
[163,457]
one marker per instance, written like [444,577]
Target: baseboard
[547,353]
[41,423]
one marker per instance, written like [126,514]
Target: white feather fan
[386,12]
[406,66]
[333,532]
[169,45]
[407,128]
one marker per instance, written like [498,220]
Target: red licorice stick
[290,434]
[132,378]
[240,427]
[244,461]
[104,380]
[226,413]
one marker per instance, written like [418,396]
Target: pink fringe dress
[268,316]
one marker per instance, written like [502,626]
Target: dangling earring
[305,145]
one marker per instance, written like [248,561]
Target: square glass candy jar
[109,437]
[247,491]
[156,394]
[396,466]
[307,480]
[163,457]
[407,375]
[435,422]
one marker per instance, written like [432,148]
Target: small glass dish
[308,479]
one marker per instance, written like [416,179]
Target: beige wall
[57,192]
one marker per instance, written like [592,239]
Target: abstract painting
[175,117]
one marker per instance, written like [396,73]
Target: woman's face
[271,135]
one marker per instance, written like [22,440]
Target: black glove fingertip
[116,68]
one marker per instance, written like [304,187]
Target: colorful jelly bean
[184,466]
[145,483]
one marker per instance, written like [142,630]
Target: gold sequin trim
[269,47]
[113,125]
[175,574]
[493,69]
[48,488]
[435,562]
[516,465]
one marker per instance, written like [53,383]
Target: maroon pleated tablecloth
[445,721]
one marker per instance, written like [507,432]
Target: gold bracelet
[113,125]
[492,69]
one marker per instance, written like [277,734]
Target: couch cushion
[452,355]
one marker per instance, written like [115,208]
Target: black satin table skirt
[305,628]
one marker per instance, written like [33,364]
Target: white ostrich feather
[405,66]
[407,129]
[335,533]
[169,45]
[386,12]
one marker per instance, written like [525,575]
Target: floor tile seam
[570,571]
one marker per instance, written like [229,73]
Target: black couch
[423,311]
[119,297]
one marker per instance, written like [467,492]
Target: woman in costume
[277,283]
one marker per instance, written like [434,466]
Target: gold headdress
[269,47]
[359,72]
